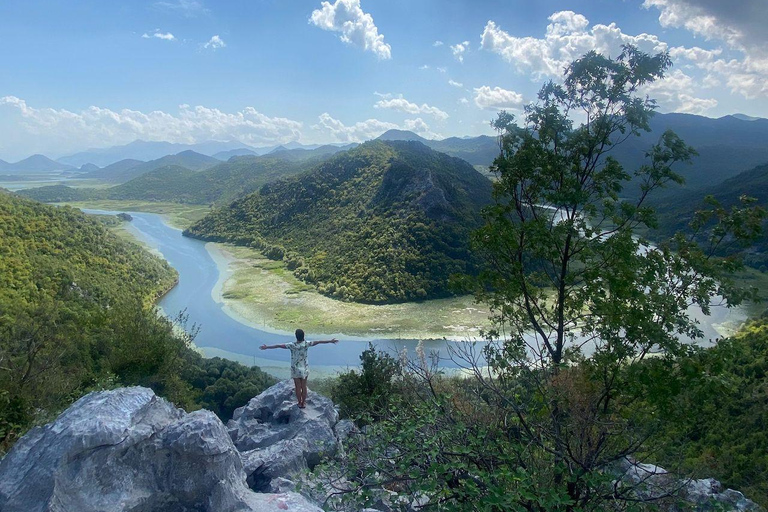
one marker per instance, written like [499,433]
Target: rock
[654,482]
[128,450]
[277,438]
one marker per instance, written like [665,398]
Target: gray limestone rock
[277,438]
[128,450]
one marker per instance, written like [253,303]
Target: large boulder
[129,450]
[277,438]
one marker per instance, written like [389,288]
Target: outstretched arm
[313,343]
[265,347]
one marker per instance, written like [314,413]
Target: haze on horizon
[96,74]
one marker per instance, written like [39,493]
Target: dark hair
[299,335]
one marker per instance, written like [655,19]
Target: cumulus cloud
[740,24]
[215,43]
[67,131]
[437,43]
[497,98]
[159,35]
[402,105]
[674,92]
[567,37]
[459,50]
[455,83]
[368,129]
[356,26]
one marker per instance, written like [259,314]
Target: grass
[266,293]
[180,216]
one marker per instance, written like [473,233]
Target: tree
[578,301]
[569,281]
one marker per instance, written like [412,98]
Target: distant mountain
[33,164]
[726,147]
[402,135]
[306,155]
[388,221]
[481,150]
[745,117]
[125,172]
[675,213]
[226,155]
[89,168]
[147,150]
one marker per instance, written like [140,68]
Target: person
[299,366]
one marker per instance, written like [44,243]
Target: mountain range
[33,164]
[387,221]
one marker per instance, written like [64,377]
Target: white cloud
[739,23]
[674,93]
[455,84]
[215,43]
[442,70]
[459,50]
[437,43]
[425,66]
[357,27]
[567,38]
[159,35]
[64,131]
[463,101]
[497,98]
[402,105]
[368,129]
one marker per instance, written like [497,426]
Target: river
[221,333]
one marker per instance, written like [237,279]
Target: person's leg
[297,385]
[304,391]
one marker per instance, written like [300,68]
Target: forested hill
[675,213]
[384,222]
[76,315]
[121,174]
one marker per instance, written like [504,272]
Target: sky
[80,74]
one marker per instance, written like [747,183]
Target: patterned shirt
[299,366]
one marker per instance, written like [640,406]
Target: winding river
[223,334]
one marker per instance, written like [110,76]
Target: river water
[223,334]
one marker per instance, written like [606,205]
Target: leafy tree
[578,301]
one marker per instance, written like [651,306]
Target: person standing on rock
[299,366]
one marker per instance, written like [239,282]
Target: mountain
[388,221]
[301,154]
[745,117]
[126,172]
[34,164]
[226,155]
[89,168]
[676,212]
[726,147]
[218,185]
[147,150]
[480,150]
[402,135]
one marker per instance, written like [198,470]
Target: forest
[77,314]
[384,222]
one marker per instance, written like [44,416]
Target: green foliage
[714,405]
[384,222]
[366,395]
[76,315]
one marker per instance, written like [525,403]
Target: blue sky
[83,74]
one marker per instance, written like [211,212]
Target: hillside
[676,212]
[126,172]
[385,222]
[480,150]
[33,164]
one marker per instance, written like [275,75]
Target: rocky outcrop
[654,483]
[277,439]
[129,450]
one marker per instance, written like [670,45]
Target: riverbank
[266,295]
[179,216]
